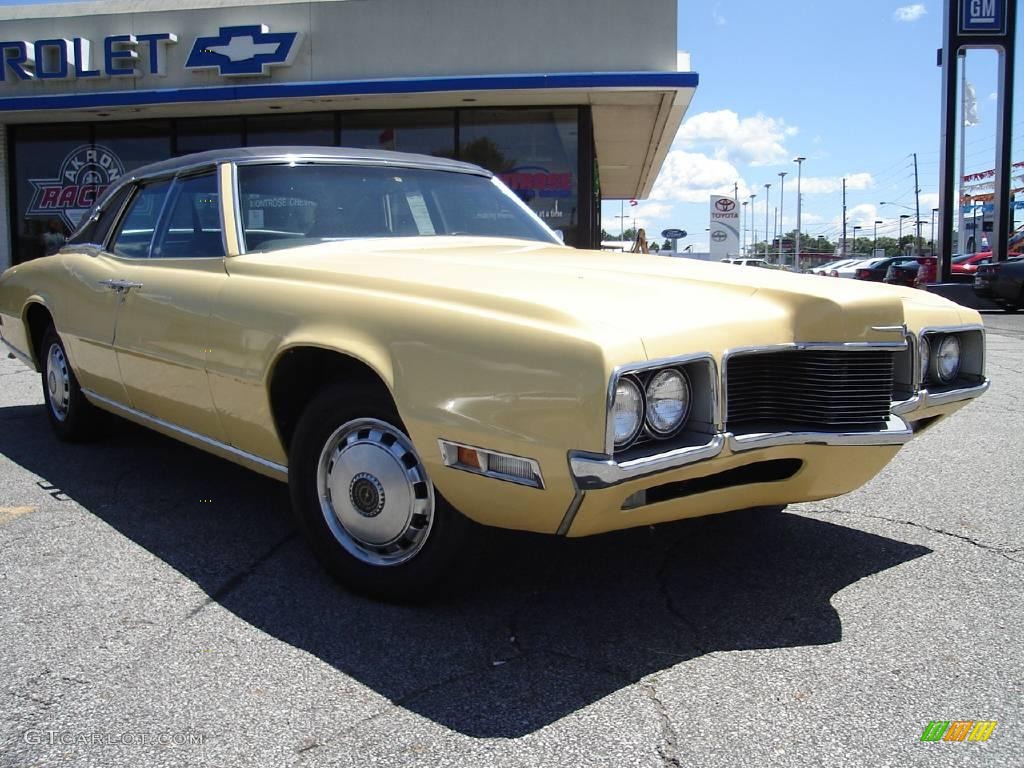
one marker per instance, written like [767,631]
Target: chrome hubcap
[374,492]
[58,382]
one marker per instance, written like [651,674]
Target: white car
[826,269]
[748,262]
[850,270]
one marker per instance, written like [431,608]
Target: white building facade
[570,102]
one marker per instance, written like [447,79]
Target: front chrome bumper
[595,471]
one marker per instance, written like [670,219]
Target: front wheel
[363,500]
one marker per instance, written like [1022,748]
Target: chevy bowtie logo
[247,50]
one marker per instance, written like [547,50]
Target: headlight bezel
[701,420]
[971,371]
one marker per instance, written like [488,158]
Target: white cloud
[718,18]
[757,140]
[815,185]
[910,12]
[993,96]
[691,177]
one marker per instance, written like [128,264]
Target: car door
[161,337]
[86,320]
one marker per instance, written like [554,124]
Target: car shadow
[532,629]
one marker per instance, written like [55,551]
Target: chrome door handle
[120,285]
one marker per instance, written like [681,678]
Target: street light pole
[782,204]
[753,225]
[899,243]
[799,172]
[874,248]
[932,239]
[766,210]
[855,239]
[743,229]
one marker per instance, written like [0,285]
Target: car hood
[601,294]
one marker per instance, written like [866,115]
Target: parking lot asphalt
[158,609]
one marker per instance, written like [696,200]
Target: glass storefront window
[57,178]
[535,152]
[312,130]
[135,143]
[426,132]
[58,171]
[205,133]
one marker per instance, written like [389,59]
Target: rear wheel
[363,500]
[73,418]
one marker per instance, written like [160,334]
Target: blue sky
[853,87]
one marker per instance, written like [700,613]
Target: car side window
[192,230]
[138,225]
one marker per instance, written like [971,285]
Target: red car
[968,263]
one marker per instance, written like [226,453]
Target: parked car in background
[876,272]
[408,346]
[968,263]
[1001,282]
[748,262]
[902,272]
[850,270]
[825,269]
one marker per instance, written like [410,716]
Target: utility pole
[844,216]
[782,204]
[753,226]
[917,217]
[799,168]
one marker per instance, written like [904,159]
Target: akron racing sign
[725,227]
[84,175]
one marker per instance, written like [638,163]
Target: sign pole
[990,24]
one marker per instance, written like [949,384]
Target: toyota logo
[719,236]
[724,204]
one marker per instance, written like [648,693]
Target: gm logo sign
[244,51]
[982,17]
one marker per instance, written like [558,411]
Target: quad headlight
[627,411]
[945,363]
[668,401]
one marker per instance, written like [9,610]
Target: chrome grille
[809,388]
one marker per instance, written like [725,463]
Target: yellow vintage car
[408,346]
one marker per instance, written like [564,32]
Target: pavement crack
[1001,551]
[235,581]
[668,746]
[661,575]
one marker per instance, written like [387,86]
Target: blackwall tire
[73,418]
[363,501]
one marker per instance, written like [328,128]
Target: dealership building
[569,102]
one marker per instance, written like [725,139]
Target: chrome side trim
[896,432]
[928,399]
[278,469]
[449,455]
[21,356]
[592,472]
[570,513]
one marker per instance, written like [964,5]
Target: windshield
[286,205]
